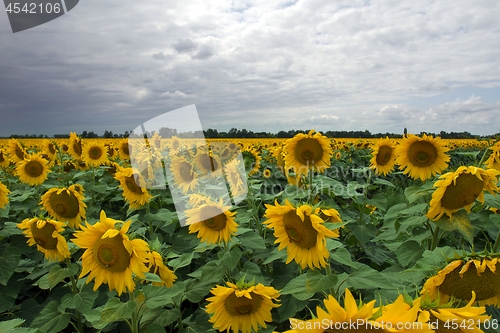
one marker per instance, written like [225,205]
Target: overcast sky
[260,65]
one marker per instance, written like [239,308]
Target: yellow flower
[302,233]
[124,150]
[4,160]
[75,146]
[384,156]
[212,221]
[32,170]
[65,205]
[493,162]
[46,234]
[133,186]
[16,151]
[110,256]
[4,199]
[460,189]
[157,267]
[94,153]
[184,175]
[241,307]
[307,151]
[448,318]
[422,157]
[459,279]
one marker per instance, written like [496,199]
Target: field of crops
[307,234]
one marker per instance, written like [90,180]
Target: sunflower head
[212,221]
[460,189]
[94,153]
[134,187]
[384,156]
[308,151]
[32,170]
[156,266]
[4,192]
[46,234]
[241,306]
[75,146]
[465,275]
[15,150]
[65,204]
[301,231]
[422,157]
[110,256]
[184,175]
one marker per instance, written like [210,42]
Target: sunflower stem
[368,182]
[497,243]
[74,289]
[328,273]
[309,187]
[435,235]
[93,183]
[150,223]
[135,321]
[483,158]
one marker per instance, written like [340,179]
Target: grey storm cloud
[260,65]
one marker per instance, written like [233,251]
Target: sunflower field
[312,235]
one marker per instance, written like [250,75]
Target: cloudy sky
[260,65]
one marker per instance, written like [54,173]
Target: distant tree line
[235,133]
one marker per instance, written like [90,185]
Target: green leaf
[363,276]
[8,325]
[409,253]
[161,296]
[306,285]
[168,317]
[363,233]
[84,300]
[290,306]
[342,256]
[9,259]
[380,181]
[459,222]
[162,214]
[50,319]
[116,310]
[252,240]
[184,260]
[231,258]
[275,255]
[197,291]
[56,275]
[154,328]
[9,293]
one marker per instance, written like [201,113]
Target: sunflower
[206,163]
[110,256]
[32,170]
[460,189]
[384,156]
[241,306]
[184,175]
[422,157]
[50,149]
[235,176]
[443,316]
[462,277]
[4,160]
[16,151]
[301,232]
[362,318]
[493,162]
[135,193]
[212,221]
[267,173]
[65,204]
[4,199]
[157,267]
[75,146]
[307,151]
[124,150]
[252,160]
[94,153]
[46,234]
